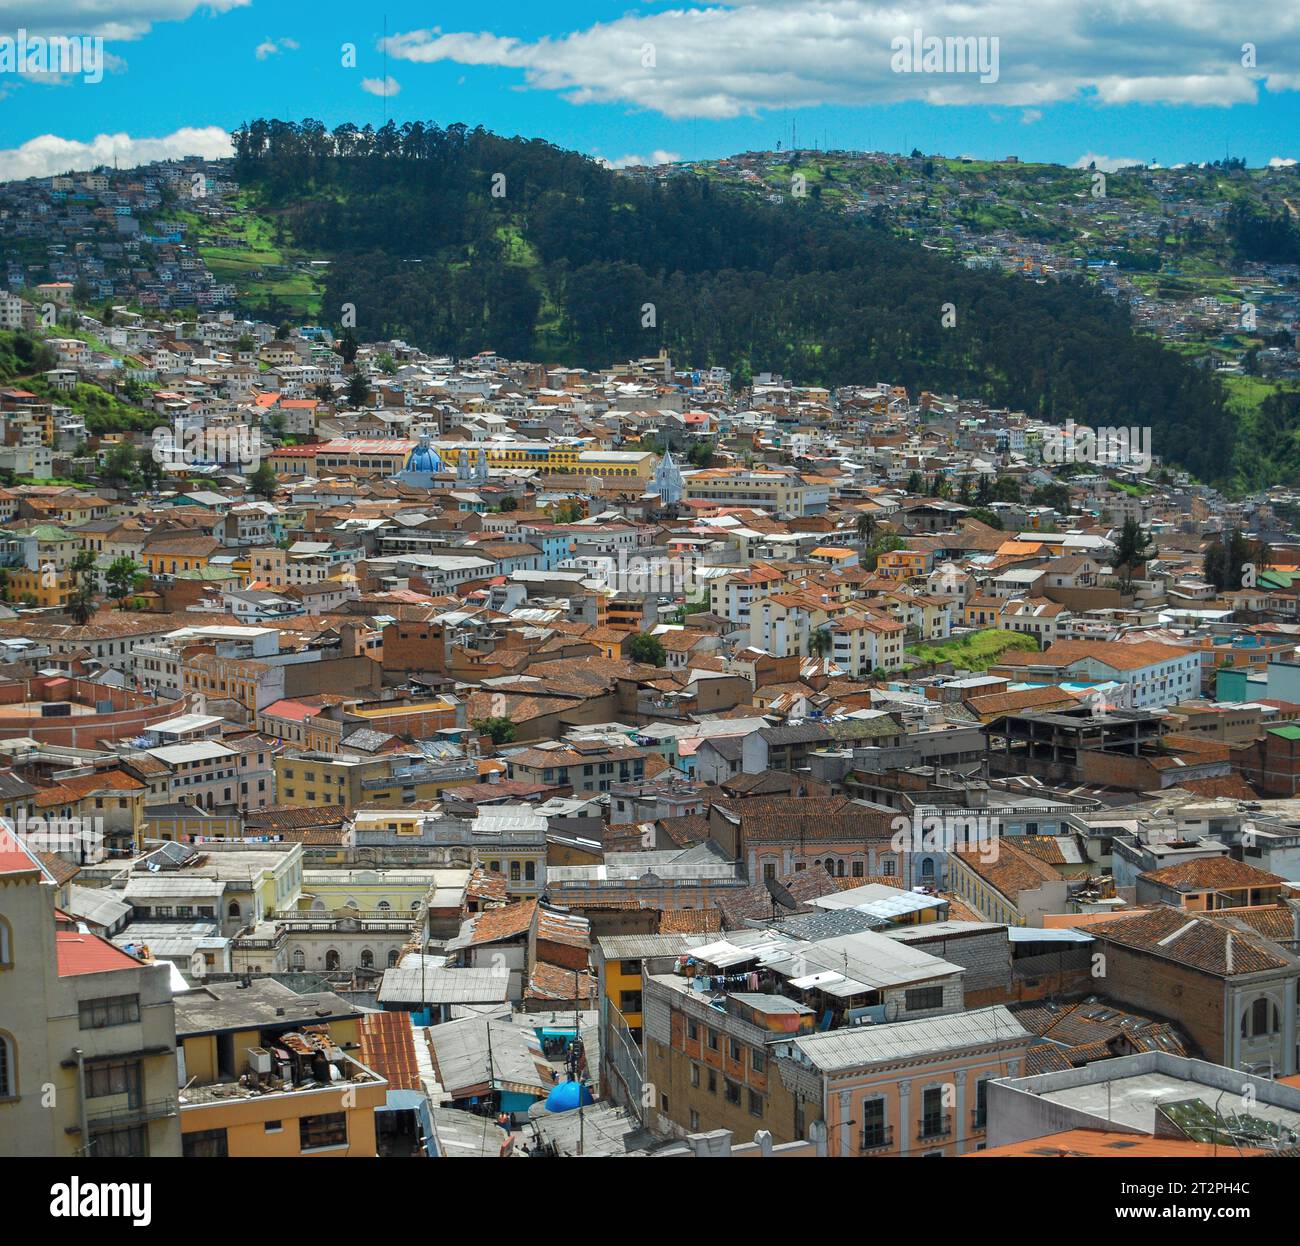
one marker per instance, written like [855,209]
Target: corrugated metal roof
[874,1044]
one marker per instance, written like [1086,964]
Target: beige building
[87,1033]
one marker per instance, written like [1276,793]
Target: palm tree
[866,527]
[821,642]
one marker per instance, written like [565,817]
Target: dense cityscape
[483,674]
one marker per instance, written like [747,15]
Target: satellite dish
[780,894]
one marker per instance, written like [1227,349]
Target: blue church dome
[424,458]
[566,1096]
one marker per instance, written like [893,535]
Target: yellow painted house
[267,1072]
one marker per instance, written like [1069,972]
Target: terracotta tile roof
[549,981]
[60,871]
[1212,873]
[1097,1143]
[1273,921]
[690,921]
[510,922]
[1217,947]
[1011,869]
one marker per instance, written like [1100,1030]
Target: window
[6,945]
[331,1129]
[331,959]
[233,910]
[695,1074]
[713,1082]
[692,1030]
[367,958]
[755,1103]
[630,968]
[629,1001]
[121,1143]
[273,1127]
[117,1078]
[757,1060]
[732,1092]
[392,958]
[980,1112]
[205,1144]
[299,959]
[695,1121]
[8,1068]
[713,1040]
[924,997]
[874,1131]
[97,1014]
[733,1049]
[933,1120]
[1262,1018]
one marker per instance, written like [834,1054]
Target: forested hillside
[460,240]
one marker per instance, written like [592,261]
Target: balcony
[153,1110]
[932,1126]
[877,1137]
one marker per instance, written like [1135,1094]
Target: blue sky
[1117,80]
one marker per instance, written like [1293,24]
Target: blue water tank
[566,1096]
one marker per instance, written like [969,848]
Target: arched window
[839,868]
[6,944]
[8,1066]
[299,959]
[392,958]
[233,910]
[1261,1018]
[331,959]
[367,958]
[927,868]
[384,906]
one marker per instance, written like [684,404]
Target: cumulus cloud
[1030,115]
[120,19]
[659,156]
[1280,162]
[746,56]
[273,47]
[383,87]
[1107,164]
[49,154]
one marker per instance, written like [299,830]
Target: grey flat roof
[263,1002]
[1132,1100]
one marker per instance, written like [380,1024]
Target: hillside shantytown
[407,755]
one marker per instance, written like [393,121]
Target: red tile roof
[88,953]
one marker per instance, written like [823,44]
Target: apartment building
[87,1033]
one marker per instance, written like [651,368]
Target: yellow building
[270,1073]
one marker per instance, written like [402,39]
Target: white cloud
[383,87]
[1031,115]
[270,47]
[746,56]
[1281,162]
[118,19]
[658,156]
[49,154]
[1107,164]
